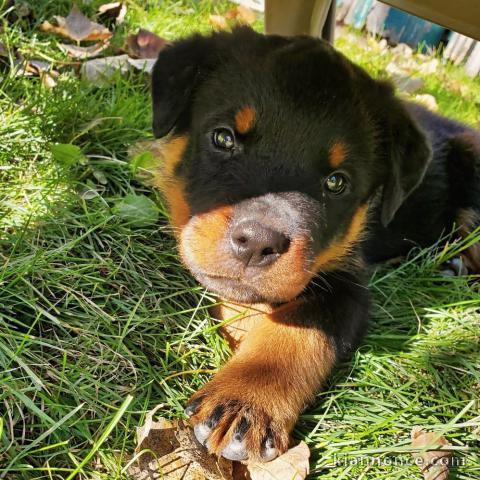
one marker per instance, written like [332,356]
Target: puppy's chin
[241,291]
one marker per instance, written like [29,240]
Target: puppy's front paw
[239,424]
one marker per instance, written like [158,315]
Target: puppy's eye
[223,138]
[336,183]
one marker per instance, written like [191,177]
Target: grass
[99,322]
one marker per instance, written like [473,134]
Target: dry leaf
[101,70]
[145,44]
[218,21]
[76,26]
[48,80]
[83,53]
[142,64]
[292,465]
[427,100]
[434,463]
[114,11]
[175,454]
[241,14]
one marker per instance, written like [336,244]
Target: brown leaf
[175,454]
[112,12]
[433,462]
[218,21]
[427,100]
[83,53]
[145,44]
[241,14]
[100,71]
[292,465]
[76,26]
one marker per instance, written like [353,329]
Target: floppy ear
[182,66]
[176,74]
[408,155]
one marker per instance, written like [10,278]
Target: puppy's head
[273,150]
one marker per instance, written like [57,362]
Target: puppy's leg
[464,177]
[249,408]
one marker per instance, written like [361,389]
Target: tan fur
[171,151]
[339,249]
[337,154]
[245,119]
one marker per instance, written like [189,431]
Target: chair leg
[301,17]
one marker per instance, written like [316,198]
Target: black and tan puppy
[287,169]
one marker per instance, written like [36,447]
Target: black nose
[257,245]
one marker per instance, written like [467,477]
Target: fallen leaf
[137,210]
[402,50]
[218,21]
[33,67]
[76,26]
[407,83]
[48,79]
[292,465]
[430,67]
[113,12]
[427,100]
[83,53]
[169,451]
[433,463]
[142,64]
[101,70]
[145,44]
[241,14]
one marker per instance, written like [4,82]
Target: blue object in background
[401,27]
[361,11]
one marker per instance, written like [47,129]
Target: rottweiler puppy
[287,170]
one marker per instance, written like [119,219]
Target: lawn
[99,322]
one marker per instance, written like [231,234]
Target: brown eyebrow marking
[337,154]
[245,119]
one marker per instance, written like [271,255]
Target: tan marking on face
[340,248]
[170,184]
[245,119]
[337,154]
[202,241]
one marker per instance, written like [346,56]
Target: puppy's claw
[192,407]
[235,450]
[454,268]
[269,452]
[202,432]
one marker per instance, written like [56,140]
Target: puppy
[287,170]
